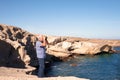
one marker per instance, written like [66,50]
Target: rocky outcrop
[17,47]
[67,48]
[19,74]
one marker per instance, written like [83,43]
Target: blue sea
[97,67]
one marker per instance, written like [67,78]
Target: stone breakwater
[17,46]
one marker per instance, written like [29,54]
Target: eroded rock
[17,45]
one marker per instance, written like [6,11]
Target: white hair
[39,36]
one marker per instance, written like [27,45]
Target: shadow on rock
[9,57]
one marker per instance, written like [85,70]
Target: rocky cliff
[17,46]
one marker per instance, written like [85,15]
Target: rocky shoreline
[19,74]
[17,48]
[49,78]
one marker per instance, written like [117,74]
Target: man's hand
[44,40]
[43,37]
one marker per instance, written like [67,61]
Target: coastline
[20,46]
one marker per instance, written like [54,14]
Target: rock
[1,28]
[78,48]
[19,35]
[55,39]
[73,65]
[9,56]
[89,48]
[18,46]
[15,44]
[58,54]
[23,54]
[66,45]
[61,47]
[5,51]
[20,74]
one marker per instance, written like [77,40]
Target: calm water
[99,67]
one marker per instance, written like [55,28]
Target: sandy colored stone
[19,74]
[22,46]
[49,78]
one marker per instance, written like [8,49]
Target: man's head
[40,37]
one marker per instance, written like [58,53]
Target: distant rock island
[17,47]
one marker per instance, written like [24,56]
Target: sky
[77,18]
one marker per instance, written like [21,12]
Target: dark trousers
[41,67]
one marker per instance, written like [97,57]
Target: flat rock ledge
[19,74]
[35,78]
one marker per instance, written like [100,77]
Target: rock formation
[17,47]
[66,48]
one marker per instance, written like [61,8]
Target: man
[40,50]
